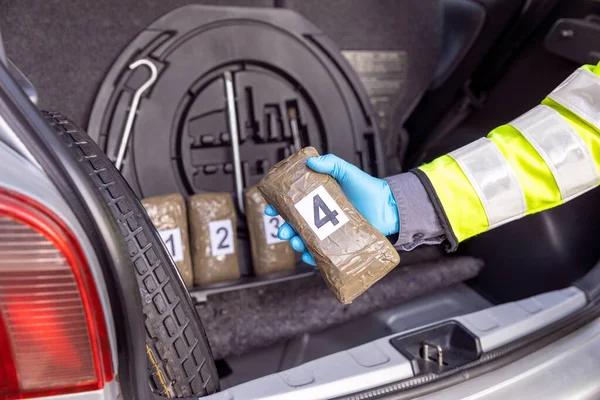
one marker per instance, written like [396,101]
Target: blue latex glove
[373,197]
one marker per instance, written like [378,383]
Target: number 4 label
[321,213]
[172,239]
[221,237]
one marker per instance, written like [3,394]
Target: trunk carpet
[240,321]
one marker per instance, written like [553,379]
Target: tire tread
[180,363]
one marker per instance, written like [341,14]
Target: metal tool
[133,108]
[293,116]
[439,351]
[235,145]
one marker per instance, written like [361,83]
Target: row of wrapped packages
[201,236]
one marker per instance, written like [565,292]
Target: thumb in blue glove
[372,197]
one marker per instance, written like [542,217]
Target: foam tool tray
[290,88]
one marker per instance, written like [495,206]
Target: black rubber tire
[180,362]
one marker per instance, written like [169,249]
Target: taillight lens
[53,336]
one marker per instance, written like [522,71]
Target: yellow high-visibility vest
[542,159]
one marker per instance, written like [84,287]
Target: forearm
[538,161]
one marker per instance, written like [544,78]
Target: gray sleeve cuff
[419,223]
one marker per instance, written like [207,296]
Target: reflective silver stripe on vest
[561,147]
[580,94]
[493,179]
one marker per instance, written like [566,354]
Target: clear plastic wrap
[350,253]
[213,234]
[169,216]
[269,254]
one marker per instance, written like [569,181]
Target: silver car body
[21,175]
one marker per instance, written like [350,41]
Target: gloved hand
[371,196]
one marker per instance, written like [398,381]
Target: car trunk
[399,116]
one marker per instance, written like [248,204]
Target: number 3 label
[272,225]
[172,239]
[221,237]
[321,213]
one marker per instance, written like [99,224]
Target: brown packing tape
[269,255]
[350,253]
[169,216]
[213,234]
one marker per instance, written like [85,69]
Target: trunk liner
[239,321]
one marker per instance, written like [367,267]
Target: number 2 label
[272,225]
[221,237]
[172,239]
[321,212]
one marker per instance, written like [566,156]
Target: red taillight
[53,336]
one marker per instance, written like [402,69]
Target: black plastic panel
[180,138]
[264,97]
[458,345]
[577,40]
[463,21]
[499,15]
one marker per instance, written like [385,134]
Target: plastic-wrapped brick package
[269,253]
[169,216]
[213,237]
[351,254]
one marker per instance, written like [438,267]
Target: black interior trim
[462,24]
[24,118]
[590,284]
[504,51]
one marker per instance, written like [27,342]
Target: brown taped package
[169,216]
[213,235]
[269,254]
[350,253]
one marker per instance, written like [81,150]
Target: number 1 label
[172,239]
[221,237]
[321,212]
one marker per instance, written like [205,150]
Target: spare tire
[180,362]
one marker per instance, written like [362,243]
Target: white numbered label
[272,225]
[221,237]
[172,239]
[321,213]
